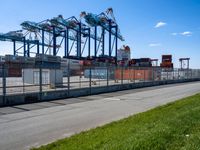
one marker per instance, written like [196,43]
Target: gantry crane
[46,33]
[39,30]
[60,27]
[108,24]
[19,37]
[78,29]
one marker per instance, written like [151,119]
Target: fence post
[23,79]
[4,83]
[129,75]
[68,78]
[79,80]
[152,69]
[178,74]
[122,78]
[90,80]
[107,75]
[199,73]
[134,74]
[167,73]
[40,81]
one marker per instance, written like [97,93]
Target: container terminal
[60,54]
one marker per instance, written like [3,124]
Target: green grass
[175,126]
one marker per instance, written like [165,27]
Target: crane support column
[28,49]
[103,41]
[38,46]
[110,39]
[78,53]
[116,43]
[24,42]
[42,41]
[66,43]
[95,41]
[14,48]
[54,41]
[89,42]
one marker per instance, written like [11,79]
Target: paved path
[25,126]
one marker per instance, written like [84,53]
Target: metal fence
[17,79]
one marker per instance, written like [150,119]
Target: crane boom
[101,20]
[70,23]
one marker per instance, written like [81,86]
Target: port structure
[107,23]
[66,30]
[184,62]
[154,62]
[50,35]
[25,44]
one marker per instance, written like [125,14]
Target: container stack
[71,67]
[141,62]
[134,74]
[47,61]
[166,61]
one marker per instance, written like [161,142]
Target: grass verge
[175,126]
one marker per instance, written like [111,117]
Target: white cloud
[155,44]
[186,33]
[160,24]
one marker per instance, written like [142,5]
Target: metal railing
[19,80]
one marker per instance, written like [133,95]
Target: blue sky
[177,31]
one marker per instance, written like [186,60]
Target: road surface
[32,125]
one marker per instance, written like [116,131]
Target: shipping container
[134,74]
[166,65]
[14,72]
[48,58]
[99,73]
[141,62]
[48,65]
[166,61]
[71,67]
[53,77]
[166,58]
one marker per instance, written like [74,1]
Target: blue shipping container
[99,73]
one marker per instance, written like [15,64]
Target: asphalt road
[32,125]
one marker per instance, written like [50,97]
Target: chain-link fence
[17,79]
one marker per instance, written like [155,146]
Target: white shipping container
[53,77]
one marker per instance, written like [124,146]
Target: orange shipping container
[133,74]
[14,72]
